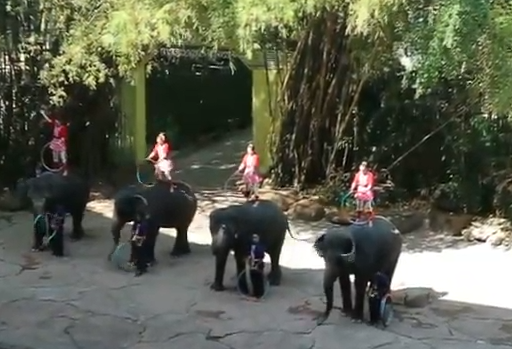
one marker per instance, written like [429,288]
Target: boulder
[452,223]
[503,198]
[492,230]
[310,210]
[408,222]
[338,216]
[498,238]
[283,198]
[11,203]
[418,297]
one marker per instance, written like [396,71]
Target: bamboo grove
[364,79]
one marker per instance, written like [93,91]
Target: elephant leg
[360,283]
[220,268]
[57,243]
[37,244]
[346,293]
[389,271]
[115,230]
[149,247]
[141,259]
[181,245]
[78,231]
[274,277]
[330,276]
[240,263]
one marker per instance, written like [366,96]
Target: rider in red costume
[362,187]
[250,168]
[58,144]
[162,152]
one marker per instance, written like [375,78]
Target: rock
[283,199]
[449,222]
[309,210]
[498,238]
[418,297]
[11,203]
[408,222]
[446,197]
[338,216]
[485,230]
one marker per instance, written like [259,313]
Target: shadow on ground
[448,296]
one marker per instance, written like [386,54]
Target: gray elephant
[232,229]
[55,195]
[359,250]
[164,209]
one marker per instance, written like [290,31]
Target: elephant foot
[217,287]
[58,253]
[346,312]
[357,318]
[77,235]
[274,278]
[320,319]
[140,272]
[178,252]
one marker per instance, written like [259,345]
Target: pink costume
[250,164]
[363,183]
[163,162]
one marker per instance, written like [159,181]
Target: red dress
[250,165]
[163,153]
[60,136]
[363,183]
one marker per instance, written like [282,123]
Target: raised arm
[152,154]
[46,117]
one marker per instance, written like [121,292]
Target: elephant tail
[292,235]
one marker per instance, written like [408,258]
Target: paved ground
[83,302]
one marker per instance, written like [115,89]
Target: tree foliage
[342,51]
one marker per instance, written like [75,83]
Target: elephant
[232,229]
[165,209]
[359,250]
[48,194]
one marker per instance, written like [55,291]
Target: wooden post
[139,124]
[266,88]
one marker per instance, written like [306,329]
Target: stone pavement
[82,302]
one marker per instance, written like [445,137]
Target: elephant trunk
[220,240]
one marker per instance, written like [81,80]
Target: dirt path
[82,302]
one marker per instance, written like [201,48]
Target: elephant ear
[319,245]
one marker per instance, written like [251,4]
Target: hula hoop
[121,255]
[51,169]
[343,201]
[230,178]
[139,176]
[386,310]
[246,276]
[46,228]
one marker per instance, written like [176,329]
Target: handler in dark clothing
[379,288]
[256,270]
[138,255]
